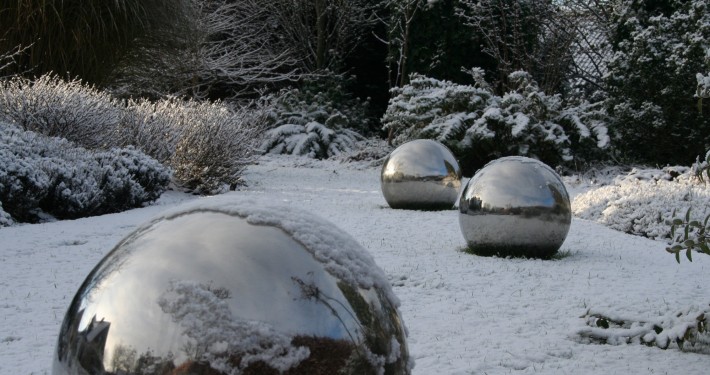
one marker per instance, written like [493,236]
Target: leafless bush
[58,108]
[215,146]
[206,144]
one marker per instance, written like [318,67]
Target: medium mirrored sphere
[515,206]
[234,288]
[421,175]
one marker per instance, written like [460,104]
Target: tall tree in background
[400,16]
[443,46]
[322,32]
[219,49]
[589,24]
[521,35]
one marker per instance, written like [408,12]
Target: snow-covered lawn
[465,314]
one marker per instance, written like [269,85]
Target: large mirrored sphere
[421,175]
[234,288]
[515,206]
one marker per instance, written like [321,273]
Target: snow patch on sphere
[232,286]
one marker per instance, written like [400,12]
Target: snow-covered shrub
[479,126]
[683,327]
[659,48]
[703,87]
[22,183]
[130,177]
[206,144]
[5,218]
[436,109]
[58,108]
[701,168]
[216,147]
[43,176]
[154,127]
[643,202]
[313,123]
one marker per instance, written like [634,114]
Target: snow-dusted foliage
[431,108]
[644,202]
[480,126]
[658,50]
[5,218]
[703,88]
[43,177]
[218,336]
[313,124]
[206,144]
[216,145]
[687,329]
[153,127]
[58,108]
[339,252]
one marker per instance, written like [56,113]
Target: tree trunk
[321,33]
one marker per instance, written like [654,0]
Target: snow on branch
[687,329]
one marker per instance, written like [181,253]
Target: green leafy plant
[688,235]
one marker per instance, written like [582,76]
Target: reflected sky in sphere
[515,206]
[207,287]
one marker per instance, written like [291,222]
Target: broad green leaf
[687,215]
[689,255]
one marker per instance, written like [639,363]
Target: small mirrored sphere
[234,288]
[515,206]
[421,175]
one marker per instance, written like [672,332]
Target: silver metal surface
[206,292]
[421,175]
[515,206]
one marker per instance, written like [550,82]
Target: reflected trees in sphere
[230,287]
[421,175]
[515,206]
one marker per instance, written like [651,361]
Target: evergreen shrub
[47,177]
[479,126]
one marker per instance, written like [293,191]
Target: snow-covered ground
[465,314]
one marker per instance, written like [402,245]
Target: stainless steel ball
[515,206]
[421,175]
[240,288]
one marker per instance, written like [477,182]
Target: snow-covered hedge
[643,202]
[5,218]
[312,124]
[206,144]
[215,145]
[58,108]
[43,177]
[480,126]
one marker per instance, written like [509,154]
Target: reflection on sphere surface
[515,206]
[206,292]
[421,175]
